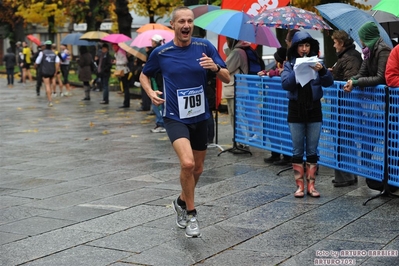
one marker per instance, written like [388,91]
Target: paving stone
[82,255]
[34,225]
[87,184]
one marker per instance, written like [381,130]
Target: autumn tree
[12,23]
[48,13]
[152,8]
[92,12]
[124,18]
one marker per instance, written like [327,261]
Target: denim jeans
[10,76]
[305,134]
[105,87]
[158,114]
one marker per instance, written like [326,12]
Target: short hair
[342,36]
[179,8]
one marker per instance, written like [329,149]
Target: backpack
[255,62]
[47,64]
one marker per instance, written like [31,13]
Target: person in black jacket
[104,65]
[10,61]
[347,66]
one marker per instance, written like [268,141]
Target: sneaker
[54,95]
[50,104]
[158,129]
[180,215]
[62,94]
[192,228]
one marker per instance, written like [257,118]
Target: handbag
[119,73]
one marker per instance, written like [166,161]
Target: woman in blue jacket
[304,110]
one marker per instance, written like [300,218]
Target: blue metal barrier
[353,133]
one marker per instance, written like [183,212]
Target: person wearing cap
[371,73]
[347,65]
[279,57]
[157,85]
[120,62]
[375,53]
[49,66]
[304,111]
[39,79]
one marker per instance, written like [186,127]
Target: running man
[184,63]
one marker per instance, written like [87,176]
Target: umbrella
[93,35]
[390,6]
[138,52]
[144,39]
[350,19]
[152,26]
[33,39]
[289,17]
[236,24]
[388,21]
[199,10]
[74,39]
[116,38]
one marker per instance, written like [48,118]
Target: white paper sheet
[303,72]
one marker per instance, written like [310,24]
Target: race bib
[191,102]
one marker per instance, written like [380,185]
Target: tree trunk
[51,29]
[90,17]
[125,19]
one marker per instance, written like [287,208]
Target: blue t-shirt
[184,79]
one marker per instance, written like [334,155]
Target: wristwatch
[218,68]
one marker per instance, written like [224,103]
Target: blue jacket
[288,81]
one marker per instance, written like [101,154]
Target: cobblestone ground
[89,184]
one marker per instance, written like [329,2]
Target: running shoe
[192,228]
[181,215]
[50,104]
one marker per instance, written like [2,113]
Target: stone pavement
[89,184]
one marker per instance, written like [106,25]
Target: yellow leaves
[91,124]
[105,132]
[35,130]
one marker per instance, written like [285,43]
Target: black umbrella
[388,21]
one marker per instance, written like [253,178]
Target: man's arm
[153,95]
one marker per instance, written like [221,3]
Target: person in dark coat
[371,73]
[10,61]
[304,110]
[347,66]
[85,61]
[104,63]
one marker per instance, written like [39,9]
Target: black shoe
[104,102]
[271,159]
[334,182]
[344,184]
[86,99]
[123,106]
[142,110]
[282,162]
